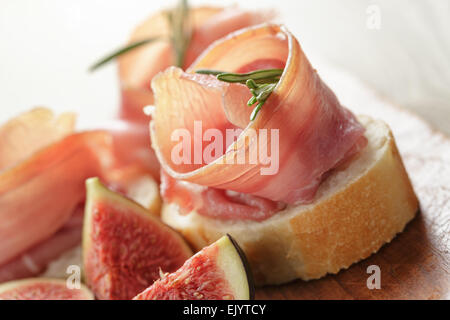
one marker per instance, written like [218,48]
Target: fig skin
[124,245]
[248,270]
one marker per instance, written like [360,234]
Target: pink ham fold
[315,131]
[42,193]
[216,203]
[34,261]
[30,131]
[39,194]
[137,68]
[43,166]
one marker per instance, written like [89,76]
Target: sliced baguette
[358,208]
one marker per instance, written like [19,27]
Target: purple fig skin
[248,270]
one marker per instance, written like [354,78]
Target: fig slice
[217,272]
[42,289]
[125,247]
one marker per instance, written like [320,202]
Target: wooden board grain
[416,264]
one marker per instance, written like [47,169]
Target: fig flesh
[217,272]
[42,289]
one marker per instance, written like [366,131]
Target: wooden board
[416,264]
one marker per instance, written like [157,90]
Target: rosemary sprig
[261,84]
[264,75]
[209,71]
[121,51]
[179,23]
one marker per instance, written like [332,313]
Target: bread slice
[362,205]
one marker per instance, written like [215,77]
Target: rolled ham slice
[216,203]
[315,132]
[43,169]
[30,131]
[39,194]
[34,261]
[137,68]
[131,146]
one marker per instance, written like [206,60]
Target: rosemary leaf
[264,94]
[266,75]
[179,21]
[252,101]
[122,51]
[251,84]
[208,71]
[260,82]
[255,111]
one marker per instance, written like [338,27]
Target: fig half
[42,289]
[125,247]
[217,272]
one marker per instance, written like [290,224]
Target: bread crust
[337,230]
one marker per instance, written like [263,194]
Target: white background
[47,46]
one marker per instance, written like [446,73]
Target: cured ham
[217,203]
[131,147]
[35,260]
[315,132]
[39,194]
[23,135]
[44,167]
[137,68]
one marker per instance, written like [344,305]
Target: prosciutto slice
[216,203]
[44,167]
[131,147]
[25,134]
[39,194]
[35,260]
[137,68]
[315,132]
